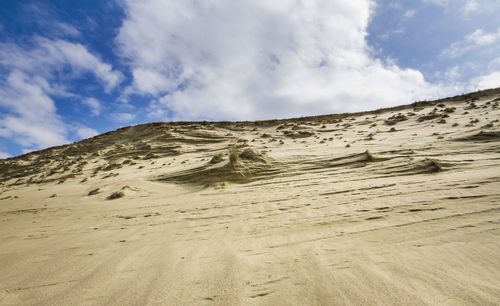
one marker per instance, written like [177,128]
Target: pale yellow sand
[415,220]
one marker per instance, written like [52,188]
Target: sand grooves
[482,136]
[253,165]
[250,166]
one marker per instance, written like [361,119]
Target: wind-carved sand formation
[395,206]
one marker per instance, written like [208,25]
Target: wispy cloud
[410,13]
[43,16]
[94,105]
[478,54]
[65,29]
[468,7]
[479,39]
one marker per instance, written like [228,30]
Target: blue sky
[73,69]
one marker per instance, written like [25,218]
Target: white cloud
[51,56]
[260,59]
[494,64]
[491,80]
[470,7]
[85,132]
[410,13]
[452,73]
[395,4]
[32,121]
[395,32]
[43,16]
[477,40]
[467,7]
[4,155]
[478,53]
[79,57]
[151,81]
[481,39]
[94,105]
[122,117]
[438,2]
[65,29]
[32,76]
[26,151]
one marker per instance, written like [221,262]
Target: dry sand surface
[397,206]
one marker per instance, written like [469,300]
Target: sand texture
[392,207]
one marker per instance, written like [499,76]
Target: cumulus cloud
[491,80]
[32,120]
[4,155]
[259,59]
[52,55]
[32,76]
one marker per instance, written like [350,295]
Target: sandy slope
[409,216]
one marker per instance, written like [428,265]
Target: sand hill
[395,206]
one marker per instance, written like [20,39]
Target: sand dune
[395,206]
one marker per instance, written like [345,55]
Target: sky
[70,70]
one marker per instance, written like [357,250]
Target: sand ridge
[394,206]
